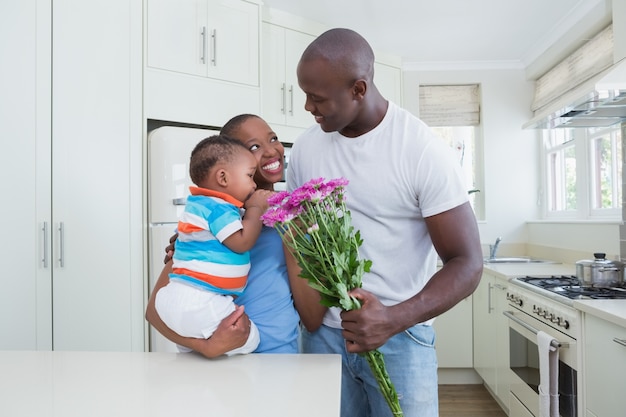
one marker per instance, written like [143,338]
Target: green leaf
[344,298]
[321,288]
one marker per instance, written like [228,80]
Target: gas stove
[534,296]
[569,287]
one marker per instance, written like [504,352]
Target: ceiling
[464,33]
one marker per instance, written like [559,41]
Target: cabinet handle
[44,230]
[203,50]
[500,286]
[489,308]
[214,40]
[620,341]
[283,93]
[61,244]
[291,99]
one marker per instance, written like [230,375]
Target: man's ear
[221,177]
[359,88]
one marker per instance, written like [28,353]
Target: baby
[211,259]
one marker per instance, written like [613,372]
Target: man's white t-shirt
[398,173]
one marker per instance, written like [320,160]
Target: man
[408,199]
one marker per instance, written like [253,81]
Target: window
[606,170]
[561,168]
[582,167]
[453,113]
[463,140]
[583,173]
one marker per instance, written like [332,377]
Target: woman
[267,298]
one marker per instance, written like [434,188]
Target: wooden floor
[467,401]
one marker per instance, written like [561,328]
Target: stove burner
[552,281]
[570,287]
[576,291]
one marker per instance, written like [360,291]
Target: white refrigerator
[169,149]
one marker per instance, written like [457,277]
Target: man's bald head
[347,52]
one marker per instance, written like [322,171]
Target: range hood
[598,102]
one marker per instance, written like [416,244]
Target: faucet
[493,249]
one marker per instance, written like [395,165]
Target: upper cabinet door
[295,44]
[174,38]
[273,74]
[283,100]
[232,52]
[210,38]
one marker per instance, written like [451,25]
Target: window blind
[590,59]
[449,105]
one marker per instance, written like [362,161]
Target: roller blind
[450,105]
[588,60]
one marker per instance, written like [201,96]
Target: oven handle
[527,326]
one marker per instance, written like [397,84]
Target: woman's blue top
[267,298]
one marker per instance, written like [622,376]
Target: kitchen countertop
[66,384]
[512,270]
[611,310]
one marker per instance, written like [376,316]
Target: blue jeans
[411,362]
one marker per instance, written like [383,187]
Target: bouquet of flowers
[314,222]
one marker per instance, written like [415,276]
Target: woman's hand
[231,333]
[169,249]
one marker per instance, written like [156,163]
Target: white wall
[510,163]
[512,171]
[570,242]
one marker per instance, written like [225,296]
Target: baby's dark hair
[208,152]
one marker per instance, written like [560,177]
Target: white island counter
[66,384]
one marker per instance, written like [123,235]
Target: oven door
[524,365]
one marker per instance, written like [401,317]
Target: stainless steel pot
[600,272]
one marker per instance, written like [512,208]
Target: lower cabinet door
[517,409]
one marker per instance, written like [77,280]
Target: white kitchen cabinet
[282,99]
[485,330]
[73,279]
[503,382]
[491,336]
[209,38]
[604,367]
[24,167]
[388,80]
[454,336]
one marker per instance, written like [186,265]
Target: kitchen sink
[517,260]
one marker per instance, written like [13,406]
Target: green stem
[376,362]
[296,244]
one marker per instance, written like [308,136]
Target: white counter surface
[610,310]
[522,269]
[67,384]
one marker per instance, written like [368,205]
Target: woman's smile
[272,167]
